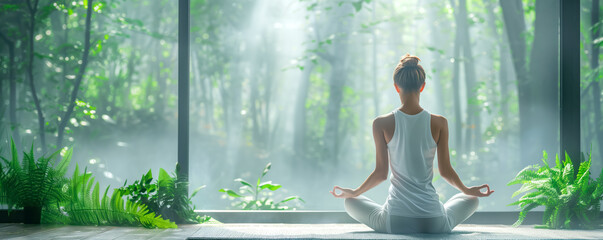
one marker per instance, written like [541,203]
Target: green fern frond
[86,207]
[523,213]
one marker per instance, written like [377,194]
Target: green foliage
[570,201]
[85,206]
[167,196]
[249,197]
[31,182]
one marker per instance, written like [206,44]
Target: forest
[293,83]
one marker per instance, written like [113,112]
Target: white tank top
[411,152]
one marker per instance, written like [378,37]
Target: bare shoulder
[439,120]
[383,121]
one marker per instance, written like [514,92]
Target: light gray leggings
[366,211]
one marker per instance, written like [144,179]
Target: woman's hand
[477,191]
[344,192]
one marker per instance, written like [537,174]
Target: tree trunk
[2,108]
[473,134]
[254,111]
[376,94]
[299,121]
[12,88]
[198,89]
[544,71]
[60,41]
[337,79]
[436,42]
[513,16]
[161,92]
[503,55]
[128,81]
[268,131]
[78,79]
[594,64]
[331,133]
[458,118]
[32,87]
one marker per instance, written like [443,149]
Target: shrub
[166,197]
[250,195]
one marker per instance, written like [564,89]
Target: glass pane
[298,84]
[591,132]
[124,118]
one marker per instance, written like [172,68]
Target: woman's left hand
[344,192]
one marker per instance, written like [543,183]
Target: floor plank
[280,231]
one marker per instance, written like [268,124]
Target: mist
[296,84]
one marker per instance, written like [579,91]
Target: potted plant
[32,184]
[570,201]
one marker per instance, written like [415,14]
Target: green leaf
[266,169]
[270,186]
[230,192]
[291,198]
[197,190]
[524,213]
[544,158]
[240,180]
[525,175]
[358,5]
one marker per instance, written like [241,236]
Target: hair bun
[409,61]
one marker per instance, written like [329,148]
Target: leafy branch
[250,196]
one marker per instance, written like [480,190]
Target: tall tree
[456,95]
[537,85]
[461,148]
[594,65]
[160,64]
[376,94]
[437,42]
[544,71]
[503,77]
[473,134]
[78,79]
[2,113]
[12,91]
[299,120]
[32,8]
[335,56]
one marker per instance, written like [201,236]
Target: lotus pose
[407,140]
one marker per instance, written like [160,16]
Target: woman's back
[406,144]
[412,150]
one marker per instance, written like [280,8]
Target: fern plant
[570,201]
[85,206]
[167,196]
[254,197]
[32,184]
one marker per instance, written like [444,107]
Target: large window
[293,83]
[298,84]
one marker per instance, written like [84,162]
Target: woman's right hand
[477,191]
[344,192]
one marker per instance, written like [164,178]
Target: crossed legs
[366,211]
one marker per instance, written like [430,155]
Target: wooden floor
[280,231]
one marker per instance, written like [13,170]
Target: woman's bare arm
[446,170]
[381,167]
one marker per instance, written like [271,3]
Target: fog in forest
[294,83]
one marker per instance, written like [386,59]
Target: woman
[411,135]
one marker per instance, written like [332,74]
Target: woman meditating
[406,141]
